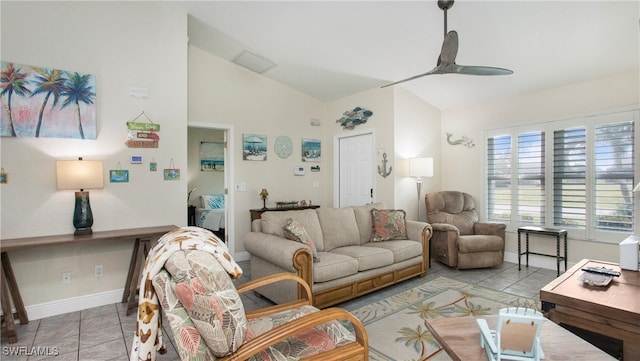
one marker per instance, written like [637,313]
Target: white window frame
[589,122]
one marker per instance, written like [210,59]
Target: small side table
[542,231]
[191,215]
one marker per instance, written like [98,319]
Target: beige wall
[464,170]
[224,93]
[127,44]
[417,134]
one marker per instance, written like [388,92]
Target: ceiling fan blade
[435,70]
[481,70]
[449,48]
[445,60]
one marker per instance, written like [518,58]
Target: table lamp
[418,169]
[80,174]
[264,194]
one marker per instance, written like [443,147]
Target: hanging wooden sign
[142,135]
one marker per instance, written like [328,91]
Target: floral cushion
[295,231]
[388,224]
[189,344]
[212,201]
[210,299]
[325,337]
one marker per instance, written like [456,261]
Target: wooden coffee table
[613,311]
[460,338]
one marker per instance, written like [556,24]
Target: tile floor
[105,333]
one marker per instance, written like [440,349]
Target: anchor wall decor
[383,170]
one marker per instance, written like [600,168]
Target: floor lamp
[418,169]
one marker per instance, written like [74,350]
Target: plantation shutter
[569,177]
[531,178]
[614,181]
[499,178]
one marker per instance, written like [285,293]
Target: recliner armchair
[459,240]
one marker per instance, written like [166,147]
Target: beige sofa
[348,263]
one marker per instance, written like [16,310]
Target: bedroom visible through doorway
[209,172]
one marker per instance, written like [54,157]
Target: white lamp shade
[79,174]
[421,167]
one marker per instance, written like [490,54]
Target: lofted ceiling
[332,49]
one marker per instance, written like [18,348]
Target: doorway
[210,171]
[354,171]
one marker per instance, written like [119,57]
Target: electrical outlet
[99,271]
[66,278]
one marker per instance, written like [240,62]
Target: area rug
[396,325]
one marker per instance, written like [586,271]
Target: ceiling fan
[446,61]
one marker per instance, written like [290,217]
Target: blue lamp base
[82,216]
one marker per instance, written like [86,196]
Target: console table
[257,213]
[9,286]
[541,231]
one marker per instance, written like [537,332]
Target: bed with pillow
[341,253]
[210,214]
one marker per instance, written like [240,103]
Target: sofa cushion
[295,231]
[402,249]
[479,243]
[339,227]
[306,343]
[388,224]
[272,223]
[363,219]
[333,266]
[368,257]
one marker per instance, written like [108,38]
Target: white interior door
[356,170]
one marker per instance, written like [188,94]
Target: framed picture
[172,174]
[136,159]
[311,150]
[119,176]
[27,118]
[254,147]
[211,157]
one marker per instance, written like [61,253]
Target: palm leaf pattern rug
[396,325]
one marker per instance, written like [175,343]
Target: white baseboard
[537,261]
[58,307]
[241,256]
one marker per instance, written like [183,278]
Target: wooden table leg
[132,264]
[140,256]
[9,289]
[6,309]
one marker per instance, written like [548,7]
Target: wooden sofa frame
[303,263]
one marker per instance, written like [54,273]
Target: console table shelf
[9,286]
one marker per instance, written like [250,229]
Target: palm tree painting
[45,102]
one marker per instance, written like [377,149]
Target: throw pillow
[295,231]
[212,201]
[388,224]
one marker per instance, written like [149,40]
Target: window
[585,173]
[569,177]
[531,178]
[499,178]
[614,176]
